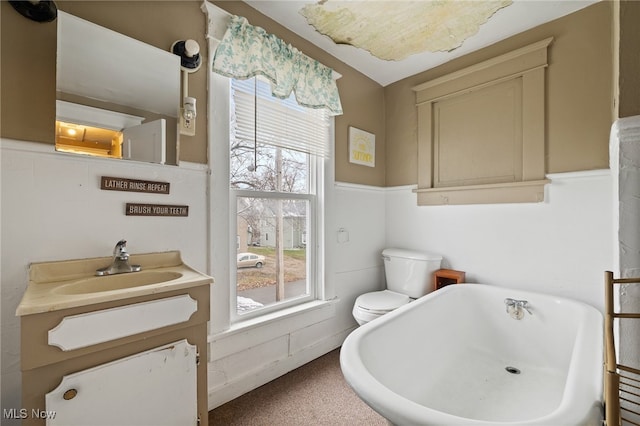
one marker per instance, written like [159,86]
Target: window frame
[317,181]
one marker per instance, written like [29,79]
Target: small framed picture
[362,147]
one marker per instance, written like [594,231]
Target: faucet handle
[120,250]
[524,305]
[517,304]
[509,303]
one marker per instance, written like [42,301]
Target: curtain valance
[246,51]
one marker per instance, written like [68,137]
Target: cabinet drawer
[38,350]
[91,328]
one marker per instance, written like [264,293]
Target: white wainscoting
[561,246]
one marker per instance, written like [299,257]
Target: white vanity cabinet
[137,359]
[153,377]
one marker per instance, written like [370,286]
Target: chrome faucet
[120,263]
[516,308]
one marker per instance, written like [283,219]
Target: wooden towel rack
[621,382]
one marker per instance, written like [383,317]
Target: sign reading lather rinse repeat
[133,185]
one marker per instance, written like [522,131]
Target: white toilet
[409,276]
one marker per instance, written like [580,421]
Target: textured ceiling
[393,30]
[519,16]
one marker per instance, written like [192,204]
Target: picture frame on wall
[362,147]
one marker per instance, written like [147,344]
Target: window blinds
[278,122]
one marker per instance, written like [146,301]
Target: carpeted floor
[314,394]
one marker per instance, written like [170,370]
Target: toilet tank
[410,272]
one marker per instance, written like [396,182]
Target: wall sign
[362,147]
[136,209]
[133,185]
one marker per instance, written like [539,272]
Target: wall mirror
[116,96]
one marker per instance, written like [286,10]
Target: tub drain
[512,370]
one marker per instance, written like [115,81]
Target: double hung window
[276,155]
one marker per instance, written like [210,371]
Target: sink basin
[65,284]
[117,282]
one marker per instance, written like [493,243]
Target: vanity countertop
[48,281]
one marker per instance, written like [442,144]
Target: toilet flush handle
[385,257]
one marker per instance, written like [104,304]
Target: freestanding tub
[456,357]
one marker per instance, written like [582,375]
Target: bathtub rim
[387,403]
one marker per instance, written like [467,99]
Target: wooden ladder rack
[621,382]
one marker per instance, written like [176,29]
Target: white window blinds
[262,118]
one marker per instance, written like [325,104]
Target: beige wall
[27,77]
[28,73]
[579,95]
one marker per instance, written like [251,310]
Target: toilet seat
[381,302]
[370,306]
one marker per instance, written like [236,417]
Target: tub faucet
[516,308]
[120,263]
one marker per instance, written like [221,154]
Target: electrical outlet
[187,129]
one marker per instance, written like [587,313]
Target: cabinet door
[157,387]
[146,142]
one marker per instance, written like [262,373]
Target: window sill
[317,310]
[512,192]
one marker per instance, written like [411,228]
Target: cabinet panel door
[146,142]
[157,387]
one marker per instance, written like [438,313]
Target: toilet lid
[382,301]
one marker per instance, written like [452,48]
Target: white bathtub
[442,360]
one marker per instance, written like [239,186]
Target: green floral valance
[246,51]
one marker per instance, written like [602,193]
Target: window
[276,154]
